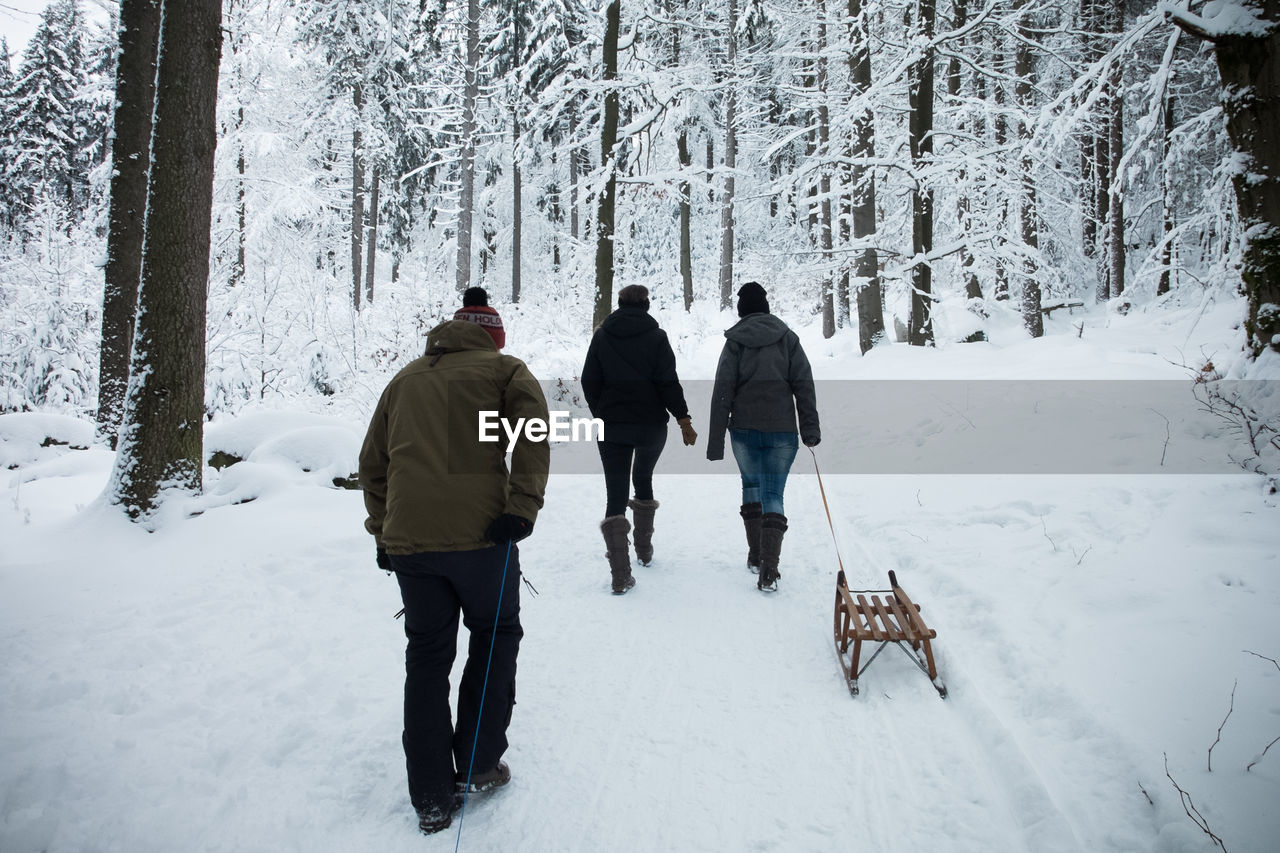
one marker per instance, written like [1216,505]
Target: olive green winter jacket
[429,483]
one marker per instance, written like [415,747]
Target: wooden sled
[891,619]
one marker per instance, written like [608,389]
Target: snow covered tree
[728,223]
[130,156]
[1029,214]
[161,438]
[920,91]
[1246,39]
[42,153]
[606,205]
[467,158]
[861,180]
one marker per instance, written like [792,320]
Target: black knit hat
[751,300]
[475,297]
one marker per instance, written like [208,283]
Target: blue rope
[466,791]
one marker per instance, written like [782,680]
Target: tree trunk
[863,187]
[711,169]
[575,170]
[1166,195]
[161,440]
[466,199]
[517,203]
[1001,133]
[686,212]
[1250,71]
[964,212]
[824,181]
[730,162]
[130,155]
[371,233]
[242,218]
[686,219]
[727,199]
[608,141]
[1092,165]
[1115,151]
[1024,68]
[357,196]
[920,328]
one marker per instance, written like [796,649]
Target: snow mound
[330,450]
[27,437]
[312,441]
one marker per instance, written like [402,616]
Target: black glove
[810,440]
[508,528]
[384,562]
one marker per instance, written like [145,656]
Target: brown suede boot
[615,529]
[751,521]
[772,526]
[643,512]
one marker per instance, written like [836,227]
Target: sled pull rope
[466,792]
[827,507]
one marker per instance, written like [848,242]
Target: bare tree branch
[1190,808]
[1223,723]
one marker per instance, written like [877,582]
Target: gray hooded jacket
[762,381]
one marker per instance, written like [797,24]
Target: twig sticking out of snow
[1045,529]
[1190,808]
[1260,757]
[1264,657]
[1262,754]
[1223,723]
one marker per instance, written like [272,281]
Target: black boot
[643,512]
[433,820]
[751,514]
[772,526]
[615,529]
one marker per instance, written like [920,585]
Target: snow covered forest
[224,228]
[902,169]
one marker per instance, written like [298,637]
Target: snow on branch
[1218,19]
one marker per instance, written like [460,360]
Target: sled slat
[891,630]
[921,630]
[866,612]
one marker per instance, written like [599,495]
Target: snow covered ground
[232,680]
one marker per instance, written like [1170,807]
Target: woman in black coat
[629,380]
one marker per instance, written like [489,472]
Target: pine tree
[42,156]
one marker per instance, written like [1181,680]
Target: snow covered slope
[232,680]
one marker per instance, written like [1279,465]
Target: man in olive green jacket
[446,514]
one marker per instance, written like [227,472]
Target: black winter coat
[629,376]
[763,381]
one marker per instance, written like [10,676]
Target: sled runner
[892,618]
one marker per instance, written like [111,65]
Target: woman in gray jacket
[763,381]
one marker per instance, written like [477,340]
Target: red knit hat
[475,309]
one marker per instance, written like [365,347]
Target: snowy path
[232,682]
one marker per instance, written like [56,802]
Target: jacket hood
[628,322]
[455,335]
[757,330]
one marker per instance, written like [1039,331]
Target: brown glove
[686,430]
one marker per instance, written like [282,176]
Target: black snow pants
[630,453]
[436,586]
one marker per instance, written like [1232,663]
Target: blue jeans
[764,459]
